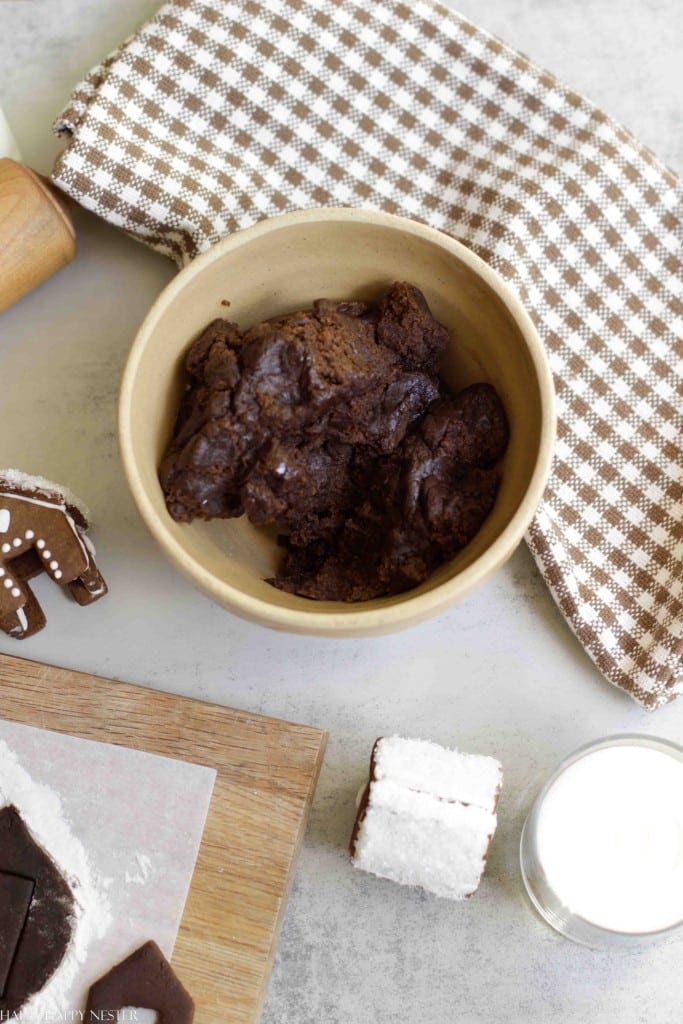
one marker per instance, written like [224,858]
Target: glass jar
[601,851]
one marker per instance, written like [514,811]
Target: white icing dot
[17,542]
[16,592]
[54,564]
[8,583]
[2,572]
[47,554]
[58,574]
[40,543]
[29,535]
[6,548]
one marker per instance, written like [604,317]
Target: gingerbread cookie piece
[37,906]
[145,981]
[42,529]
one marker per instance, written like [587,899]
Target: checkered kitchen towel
[221,112]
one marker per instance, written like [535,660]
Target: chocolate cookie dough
[145,980]
[333,425]
[16,894]
[35,934]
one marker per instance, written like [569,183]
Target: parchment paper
[140,818]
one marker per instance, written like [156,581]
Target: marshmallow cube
[427,816]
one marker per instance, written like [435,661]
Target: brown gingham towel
[221,112]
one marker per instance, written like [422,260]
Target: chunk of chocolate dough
[36,907]
[333,425]
[145,981]
[42,529]
[16,894]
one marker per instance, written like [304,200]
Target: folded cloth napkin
[218,113]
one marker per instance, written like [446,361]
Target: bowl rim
[365,617]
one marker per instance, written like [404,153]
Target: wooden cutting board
[267,772]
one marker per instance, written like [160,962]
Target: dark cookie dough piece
[48,925]
[332,425]
[146,981]
[382,423]
[315,382]
[376,553]
[469,428]
[213,357]
[305,489]
[423,505]
[407,326]
[16,894]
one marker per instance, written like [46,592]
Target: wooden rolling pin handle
[37,237]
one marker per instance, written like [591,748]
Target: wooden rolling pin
[36,234]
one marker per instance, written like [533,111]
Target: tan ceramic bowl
[281,265]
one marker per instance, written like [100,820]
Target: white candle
[604,842]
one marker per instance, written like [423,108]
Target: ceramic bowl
[282,265]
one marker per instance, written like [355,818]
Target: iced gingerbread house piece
[427,816]
[42,529]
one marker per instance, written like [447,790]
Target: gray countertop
[500,674]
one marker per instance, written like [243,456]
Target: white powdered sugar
[144,869]
[41,810]
[448,774]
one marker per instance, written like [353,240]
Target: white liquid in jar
[610,838]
